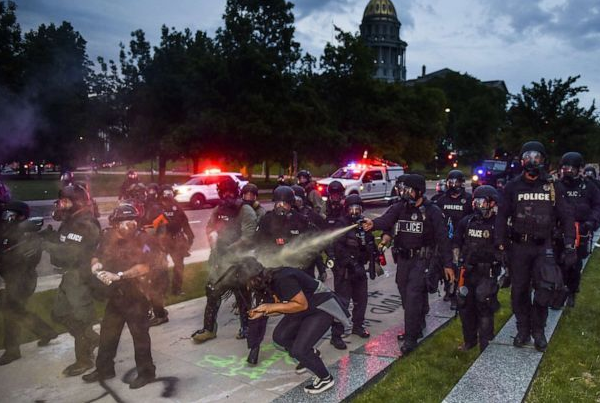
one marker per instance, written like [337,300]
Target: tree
[10,48]
[549,111]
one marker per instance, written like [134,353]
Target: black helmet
[304,173]
[416,181]
[299,191]
[152,189]
[124,212]
[590,171]
[77,193]
[456,174]
[335,187]
[228,185]
[250,188]
[166,192]
[14,208]
[533,146]
[573,159]
[284,194]
[353,205]
[487,192]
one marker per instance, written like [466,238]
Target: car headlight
[475,178]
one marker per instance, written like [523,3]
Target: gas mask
[62,209]
[126,228]
[483,207]
[454,185]
[409,195]
[354,212]
[532,162]
[569,173]
[281,208]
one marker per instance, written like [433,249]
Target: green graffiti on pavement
[232,365]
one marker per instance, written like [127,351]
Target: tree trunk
[267,171]
[162,168]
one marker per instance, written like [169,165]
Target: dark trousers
[160,282]
[318,264]
[298,333]
[16,316]
[352,288]
[572,274]
[477,318]
[410,278]
[526,260]
[119,311]
[177,282]
[213,303]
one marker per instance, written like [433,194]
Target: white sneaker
[319,385]
[300,369]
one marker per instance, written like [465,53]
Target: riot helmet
[589,172]
[299,196]
[414,188]
[485,199]
[71,198]
[166,192]
[227,188]
[336,191]
[570,165]
[67,178]
[250,192]
[455,181]
[304,177]
[283,199]
[353,206]
[533,157]
[152,191]
[124,219]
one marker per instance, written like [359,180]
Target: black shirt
[288,282]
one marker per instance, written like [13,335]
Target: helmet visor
[168,193]
[335,196]
[481,203]
[568,170]
[408,193]
[64,204]
[354,210]
[453,183]
[589,173]
[8,216]
[532,157]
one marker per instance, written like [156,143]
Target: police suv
[371,180]
[201,189]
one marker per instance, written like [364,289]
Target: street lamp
[447,110]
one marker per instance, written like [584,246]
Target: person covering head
[485,199]
[570,165]
[284,198]
[455,181]
[124,219]
[533,157]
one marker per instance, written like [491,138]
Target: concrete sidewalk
[217,371]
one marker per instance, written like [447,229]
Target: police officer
[67,178]
[313,196]
[130,179]
[136,196]
[334,209]
[533,202]
[585,201]
[152,207]
[590,173]
[353,251]
[250,197]
[122,262]
[316,223]
[230,231]
[71,248]
[175,235]
[455,203]
[479,269]
[20,253]
[419,229]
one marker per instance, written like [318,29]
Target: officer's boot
[539,341]
[253,356]
[571,300]
[83,356]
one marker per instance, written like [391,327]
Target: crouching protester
[309,309]
[480,265]
[122,262]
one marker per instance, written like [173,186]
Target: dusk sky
[512,40]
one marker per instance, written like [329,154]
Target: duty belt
[527,238]
[424,252]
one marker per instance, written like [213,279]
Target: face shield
[354,211]
[589,174]
[335,197]
[132,175]
[532,162]
[454,185]
[483,206]
[569,172]
[298,202]
[409,194]
[302,180]
[168,194]
[281,208]
[126,228]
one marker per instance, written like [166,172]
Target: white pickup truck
[369,181]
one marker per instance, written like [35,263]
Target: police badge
[546,187]
[463,201]
[486,233]
[413,217]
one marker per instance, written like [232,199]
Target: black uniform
[479,271]
[20,253]
[419,231]
[316,223]
[128,302]
[353,251]
[533,208]
[455,208]
[584,198]
[176,238]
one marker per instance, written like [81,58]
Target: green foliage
[549,111]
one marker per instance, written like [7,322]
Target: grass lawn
[570,369]
[431,371]
[194,279]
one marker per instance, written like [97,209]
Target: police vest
[227,223]
[578,195]
[454,208]
[478,246]
[534,210]
[413,228]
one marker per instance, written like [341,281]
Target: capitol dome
[380,7]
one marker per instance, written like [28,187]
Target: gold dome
[380,7]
